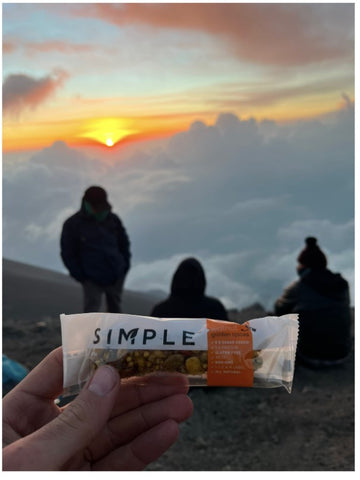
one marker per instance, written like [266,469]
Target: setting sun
[108,131]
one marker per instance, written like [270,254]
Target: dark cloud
[274,34]
[21,92]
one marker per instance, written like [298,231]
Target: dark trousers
[92,296]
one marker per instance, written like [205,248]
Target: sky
[220,131]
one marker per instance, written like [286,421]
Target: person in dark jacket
[187,298]
[322,300]
[95,248]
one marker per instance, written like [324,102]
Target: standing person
[322,300]
[95,248]
[187,297]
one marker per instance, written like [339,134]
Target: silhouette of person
[187,298]
[322,300]
[95,248]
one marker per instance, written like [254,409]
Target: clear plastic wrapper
[257,353]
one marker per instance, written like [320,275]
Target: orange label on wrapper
[230,349]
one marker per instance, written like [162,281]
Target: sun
[108,131]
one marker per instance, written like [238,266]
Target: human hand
[109,426]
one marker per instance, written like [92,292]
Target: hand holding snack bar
[109,426]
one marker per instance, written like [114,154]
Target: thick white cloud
[157,275]
[239,195]
[335,235]
[49,232]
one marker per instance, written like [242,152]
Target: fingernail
[103,381]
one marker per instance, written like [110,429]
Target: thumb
[50,447]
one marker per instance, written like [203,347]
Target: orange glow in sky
[108,131]
[113,132]
[191,62]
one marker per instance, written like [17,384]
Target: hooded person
[187,298]
[322,300]
[95,248]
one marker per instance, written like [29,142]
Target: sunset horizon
[155,76]
[223,131]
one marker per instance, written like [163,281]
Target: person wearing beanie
[95,248]
[187,298]
[322,300]
[311,256]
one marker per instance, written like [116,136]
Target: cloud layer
[240,195]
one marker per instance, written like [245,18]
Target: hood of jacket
[325,282]
[189,279]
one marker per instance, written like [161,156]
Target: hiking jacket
[322,300]
[187,298]
[94,250]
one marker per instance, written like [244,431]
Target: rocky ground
[311,429]
[248,429]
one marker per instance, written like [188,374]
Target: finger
[50,447]
[45,380]
[142,450]
[153,387]
[37,391]
[125,428]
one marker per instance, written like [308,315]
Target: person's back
[321,298]
[187,298]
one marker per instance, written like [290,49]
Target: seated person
[322,300]
[187,298]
